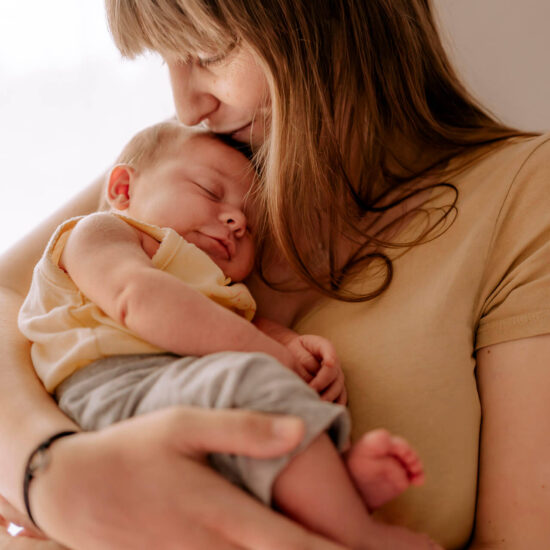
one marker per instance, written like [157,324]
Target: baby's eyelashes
[210,191]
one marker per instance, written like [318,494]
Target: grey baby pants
[124,386]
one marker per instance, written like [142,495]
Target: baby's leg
[314,486]
[383,466]
[316,490]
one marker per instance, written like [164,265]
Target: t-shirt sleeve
[515,300]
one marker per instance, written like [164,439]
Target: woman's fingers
[9,514]
[197,432]
[143,483]
[7,542]
[208,538]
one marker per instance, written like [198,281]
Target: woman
[402,222]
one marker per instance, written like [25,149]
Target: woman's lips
[242,132]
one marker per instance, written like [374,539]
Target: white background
[68,102]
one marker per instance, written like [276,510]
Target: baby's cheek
[251,254]
[243,263]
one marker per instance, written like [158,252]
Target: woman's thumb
[248,433]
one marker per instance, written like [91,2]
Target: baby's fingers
[321,348]
[336,392]
[303,373]
[343,397]
[324,378]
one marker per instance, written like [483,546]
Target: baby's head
[172,176]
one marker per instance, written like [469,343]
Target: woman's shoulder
[530,151]
[513,153]
[529,141]
[534,156]
[519,164]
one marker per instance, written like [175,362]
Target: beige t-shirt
[409,356]
[68,331]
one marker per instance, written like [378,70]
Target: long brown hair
[364,102]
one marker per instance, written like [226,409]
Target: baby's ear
[118,186]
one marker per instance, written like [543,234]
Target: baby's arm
[315,359]
[105,258]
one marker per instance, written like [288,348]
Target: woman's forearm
[27,413]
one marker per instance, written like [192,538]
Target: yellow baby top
[409,356]
[68,331]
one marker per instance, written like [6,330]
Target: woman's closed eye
[206,60]
[203,60]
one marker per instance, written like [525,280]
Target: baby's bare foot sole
[383,466]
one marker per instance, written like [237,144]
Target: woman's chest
[409,366]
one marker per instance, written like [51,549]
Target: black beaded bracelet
[38,460]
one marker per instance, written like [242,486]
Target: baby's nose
[236,221]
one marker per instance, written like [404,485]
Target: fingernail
[286,426]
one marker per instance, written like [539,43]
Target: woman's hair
[364,104]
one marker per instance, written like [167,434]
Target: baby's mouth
[219,249]
[226,248]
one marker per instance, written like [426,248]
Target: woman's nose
[235,221]
[193,101]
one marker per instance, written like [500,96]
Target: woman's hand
[29,538]
[144,483]
[7,542]
[9,514]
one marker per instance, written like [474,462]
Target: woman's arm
[28,415]
[514,484]
[151,488]
[149,469]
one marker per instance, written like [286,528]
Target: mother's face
[228,94]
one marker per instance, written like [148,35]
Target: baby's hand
[316,362]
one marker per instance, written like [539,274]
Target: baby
[140,308]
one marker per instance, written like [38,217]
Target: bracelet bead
[38,460]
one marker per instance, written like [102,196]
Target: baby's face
[199,190]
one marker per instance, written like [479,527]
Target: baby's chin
[237,273]
[237,276]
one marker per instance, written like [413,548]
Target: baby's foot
[383,466]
